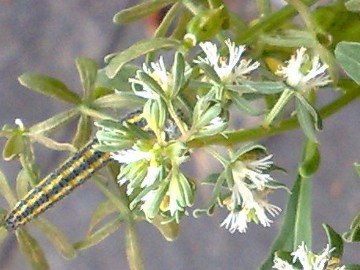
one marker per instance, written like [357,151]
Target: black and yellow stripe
[72,173]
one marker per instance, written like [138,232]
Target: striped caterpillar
[72,173]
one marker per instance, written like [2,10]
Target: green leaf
[354,234]
[178,70]
[57,238]
[140,11]
[119,100]
[245,106]
[54,122]
[31,250]
[3,234]
[348,56]
[335,241]
[13,147]
[266,88]
[6,191]
[305,121]
[87,69]
[313,112]
[352,267]
[120,82]
[51,144]
[210,72]
[98,236]
[104,209]
[357,168]
[136,50]
[22,183]
[296,227]
[133,248]
[311,164]
[169,230]
[353,5]
[83,131]
[289,38]
[49,86]
[278,107]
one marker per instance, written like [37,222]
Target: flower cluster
[150,169]
[298,74]
[250,183]
[308,260]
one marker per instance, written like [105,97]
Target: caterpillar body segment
[72,173]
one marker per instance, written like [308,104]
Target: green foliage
[189,104]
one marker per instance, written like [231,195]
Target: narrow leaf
[266,88]
[169,230]
[305,121]
[22,183]
[98,236]
[296,226]
[87,69]
[140,11]
[49,86]
[57,238]
[5,190]
[178,70]
[83,131]
[51,144]
[245,106]
[54,122]
[335,241]
[348,56]
[13,147]
[31,250]
[120,100]
[136,50]
[104,209]
[311,164]
[120,82]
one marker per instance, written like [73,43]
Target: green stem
[235,137]
[269,23]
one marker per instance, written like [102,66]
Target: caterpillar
[72,173]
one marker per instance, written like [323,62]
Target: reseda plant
[188,104]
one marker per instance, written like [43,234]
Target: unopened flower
[303,73]
[231,68]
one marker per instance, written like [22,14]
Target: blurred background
[45,37]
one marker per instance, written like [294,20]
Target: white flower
[130,155]
[235,221]
[253,171]
[158,72]
[253,208]
[299,76]
[228,69]
[145,167]
[151,176]
[311,261]
[308,260]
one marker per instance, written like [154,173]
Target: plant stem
[234,137]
